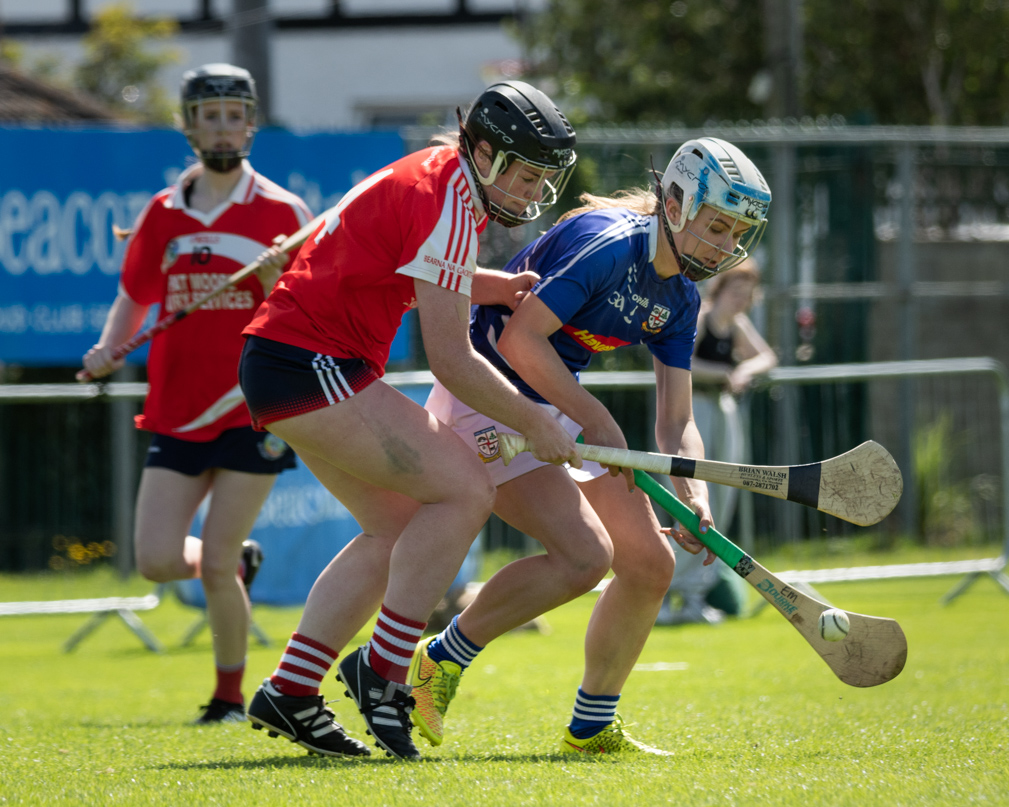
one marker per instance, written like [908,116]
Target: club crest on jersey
[487,444]
[171,255]
[272,447]
[658,318]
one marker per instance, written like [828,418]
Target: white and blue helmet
[709,171]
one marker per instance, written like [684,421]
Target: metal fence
[886,244]
[955,458]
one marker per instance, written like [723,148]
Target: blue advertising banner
[61,190]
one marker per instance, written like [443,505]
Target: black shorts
[280,380]
[240,449]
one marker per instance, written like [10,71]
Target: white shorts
[480,433]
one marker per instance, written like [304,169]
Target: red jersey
[177,254]
[352,282]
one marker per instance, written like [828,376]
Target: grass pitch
[751,712]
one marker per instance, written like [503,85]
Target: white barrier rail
[835,373]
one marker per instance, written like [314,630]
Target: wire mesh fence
[885,244]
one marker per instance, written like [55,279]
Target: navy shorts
[280,381]
[241,449]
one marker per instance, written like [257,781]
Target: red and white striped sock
[392,645]
[303,666]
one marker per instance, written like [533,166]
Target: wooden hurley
[861,486]
[873,652]
[142,338]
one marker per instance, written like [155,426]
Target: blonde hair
[638,200]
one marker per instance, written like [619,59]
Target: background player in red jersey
[405,236]
[219,216]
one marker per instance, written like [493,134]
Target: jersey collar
[241,195]
[653,238]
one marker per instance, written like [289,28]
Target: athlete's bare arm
[444,322]
[124,319]
[493,287]
[524,343]
[676,433]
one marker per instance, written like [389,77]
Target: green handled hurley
[873,652]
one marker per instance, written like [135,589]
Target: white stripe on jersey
[238,248]
[218,409]
[459,205]
[448,257]
[618,231]
[271,190]
[333,214]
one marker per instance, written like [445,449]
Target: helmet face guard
[528,136]
[219,83]
[710,172]
[534,198]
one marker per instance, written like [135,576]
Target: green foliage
[945,504]
[11,52]
[909,62]
[45,67]
[120,68]
[643,61]
[923,62]
[752,714]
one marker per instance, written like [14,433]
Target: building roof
[27,100]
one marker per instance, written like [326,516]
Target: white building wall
[332,78]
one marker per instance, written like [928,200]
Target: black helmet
[222,82]
[519,122]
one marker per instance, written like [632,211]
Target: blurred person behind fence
[729,354]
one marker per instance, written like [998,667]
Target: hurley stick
[861,486]
[873,652]
[142,338]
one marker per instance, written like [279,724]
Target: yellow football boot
[434,685]
[611,740]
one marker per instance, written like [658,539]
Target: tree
[119,68]
[644,61]
[922,62]
[914,62]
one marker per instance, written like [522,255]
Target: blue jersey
[597,277]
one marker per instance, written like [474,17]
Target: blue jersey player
[618,271]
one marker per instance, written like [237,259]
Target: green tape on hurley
[713,539]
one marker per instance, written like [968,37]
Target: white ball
[834,625]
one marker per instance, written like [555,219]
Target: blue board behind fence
[61,190]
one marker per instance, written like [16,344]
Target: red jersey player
[218,217]
[311,372]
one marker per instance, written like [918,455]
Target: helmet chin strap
[689,267]
[665,223]
[467,149]
[221,162]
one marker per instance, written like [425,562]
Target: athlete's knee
[218,571]
[158,568]
[651,569]
[479,495]
[583,572]
[377,545]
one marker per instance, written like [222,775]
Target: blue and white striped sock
[452,645]
[592,714]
